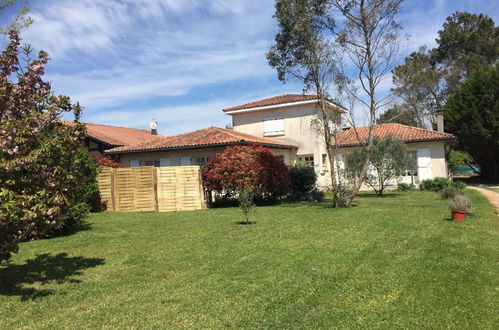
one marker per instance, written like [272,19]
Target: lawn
[389,262]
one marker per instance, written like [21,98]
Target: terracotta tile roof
[276,100]
[118,136]
[213,136]
[349,138]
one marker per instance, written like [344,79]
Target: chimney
[440,121]
[154,127]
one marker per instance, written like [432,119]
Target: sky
[182,61]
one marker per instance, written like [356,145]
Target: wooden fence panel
[152,188]
[134,189]
[179,188]
[105,181]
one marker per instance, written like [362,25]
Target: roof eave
[350,145]
[200,146]
[282,105]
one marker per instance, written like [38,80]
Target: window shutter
[134,163]
[185,161]
[424,164]
[165,161]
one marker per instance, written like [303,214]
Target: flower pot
[458,215]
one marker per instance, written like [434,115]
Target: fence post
[113,189]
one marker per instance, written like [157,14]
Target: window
[165,161]
[412,167]
[273,126]
[201,161]
[309,160]
[280,157]
[134,163]
[185,161]
[324,162]
[152,163]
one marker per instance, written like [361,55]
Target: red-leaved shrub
[246,167]
[102,161]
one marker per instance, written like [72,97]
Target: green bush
[402,186]
[450,192]
[436,184]
[303,177]
[459,184]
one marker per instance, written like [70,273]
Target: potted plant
[459,206]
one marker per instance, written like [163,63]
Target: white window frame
[307,159]
[273,126]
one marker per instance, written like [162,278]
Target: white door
[134,163]
[424,164]
[165,161]
[185,161]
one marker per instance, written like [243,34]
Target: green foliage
[388,160]
[460,202]
[402,186]
[450,192]
[458,184]
[467,41]
[472,114]
[436,184]
[21,19]
[42,172]
[400,115]
[303,178]
[246,203]
[456,158]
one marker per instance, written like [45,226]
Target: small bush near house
[435,184]
[102,161]
[450,192]
[458,184]
[302,183]
[247,167]
[460,202]
[246,204]
[402,186]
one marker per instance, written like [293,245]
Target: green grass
[389,262]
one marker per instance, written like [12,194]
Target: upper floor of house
[290,118]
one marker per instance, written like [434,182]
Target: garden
[390,261]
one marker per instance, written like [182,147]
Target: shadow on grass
[71,230]
[43,269]
[244,223]
[384,195]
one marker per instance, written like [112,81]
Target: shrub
[102,161]
[302,177]
[450,192]
[224,201]
[246,203]
[435,184]
[402,186]
[246,167]
[42,174]
[460,202]
[459,184]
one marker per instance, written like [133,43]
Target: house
[286,125]
[104,137]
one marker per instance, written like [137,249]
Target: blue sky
[181,61]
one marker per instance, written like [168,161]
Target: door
[424,164]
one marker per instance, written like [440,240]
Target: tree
[246,203]
[310,46]
[472,114]
[251,168]
[427,78]
[21,19]
[303,51]
[388,160]
[467,42]
[397,114]
[41,172]
[420,84]
[370,38]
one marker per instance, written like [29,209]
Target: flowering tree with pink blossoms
[41,168]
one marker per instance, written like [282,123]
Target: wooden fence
[170,188]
